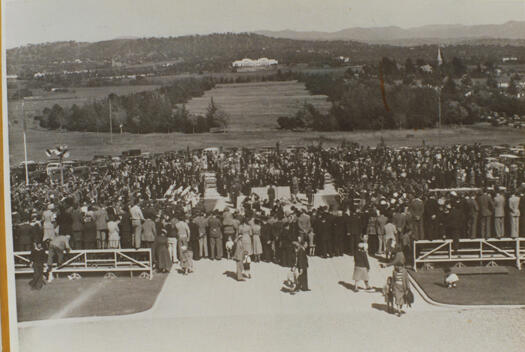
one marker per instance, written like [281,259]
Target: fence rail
[94,260]
[470,250]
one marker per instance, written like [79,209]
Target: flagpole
[25,142]
[110,123]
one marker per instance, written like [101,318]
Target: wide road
[209,310]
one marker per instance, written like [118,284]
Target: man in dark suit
[486,204]
[302,266]
[339,232]
[473,212]
[431,217]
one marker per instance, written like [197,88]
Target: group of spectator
[387,197]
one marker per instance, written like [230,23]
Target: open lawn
[91,296]
[257,106]
[491,289]
[84,145]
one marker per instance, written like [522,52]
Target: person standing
[245,232]
[473,212]
[400,286]
[354,228]
[77,227]
[238,256]
[202,222]
[38,258]
[302,266]
[361,267]
[89,236]
[126,240]
[499,214]
[417,209]
[101,218]
[256,240]
[160,252]
[339,232]
[514,209]
[215,235]
[271,195]
[183,231]
[485,208]
[137,218]
[149,232]
[48,221]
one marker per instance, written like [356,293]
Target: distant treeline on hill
[216,52]
[161,110]
[408,98]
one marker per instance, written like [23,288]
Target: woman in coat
[400,286]
[245,232]
[361,266]
[256,239]
[38,258]
[160,252]
[149,232]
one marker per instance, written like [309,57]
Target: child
[291,279]
[186,260]
[450,279]
[388,292]
[246,264]
[229,247]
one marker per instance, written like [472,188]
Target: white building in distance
[261,62]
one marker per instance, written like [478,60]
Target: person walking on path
[302,267]
[361,267]
[400,283]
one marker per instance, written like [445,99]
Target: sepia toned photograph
[264,175]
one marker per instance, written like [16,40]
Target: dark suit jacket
[485,204]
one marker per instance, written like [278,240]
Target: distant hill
[430,34]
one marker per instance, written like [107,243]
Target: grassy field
[256,106]
[85,145]
[91,296]
[475,289]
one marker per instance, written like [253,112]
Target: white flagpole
[25,142]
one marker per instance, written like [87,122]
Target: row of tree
[160,110]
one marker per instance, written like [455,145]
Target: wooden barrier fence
[485,251]
[94,260]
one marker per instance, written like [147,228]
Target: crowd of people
[387,198]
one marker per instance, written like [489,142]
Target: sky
[38,21]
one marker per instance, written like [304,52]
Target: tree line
[390,95]
[161,110]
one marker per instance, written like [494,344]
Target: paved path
[209,310]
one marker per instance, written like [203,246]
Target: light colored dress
[245,231]
[49,229]
[256,239]
[113,235]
